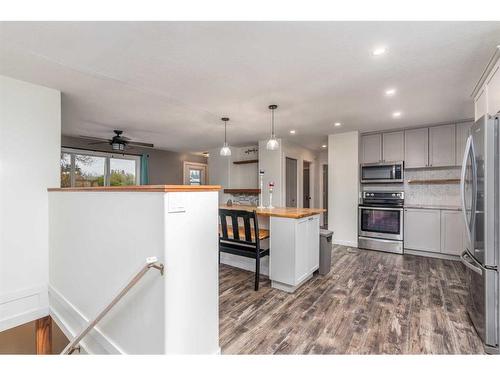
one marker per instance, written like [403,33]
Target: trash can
[325,251]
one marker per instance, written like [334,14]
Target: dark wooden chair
[242,240]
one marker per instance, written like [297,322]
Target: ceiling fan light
[272,144]
[118,146]
[225,150]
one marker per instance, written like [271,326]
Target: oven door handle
[400,209]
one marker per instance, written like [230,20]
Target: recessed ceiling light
[324,146]
[390,92]
[292,131]
[337,124]
[379,51]
[396,114]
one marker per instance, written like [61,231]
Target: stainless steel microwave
[376,173]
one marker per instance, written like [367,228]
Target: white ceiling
[170,82]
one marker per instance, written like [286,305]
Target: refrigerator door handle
[468,262]
[468,146]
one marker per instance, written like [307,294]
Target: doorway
[306,177]
[325,195]
[195,173]
[291,182]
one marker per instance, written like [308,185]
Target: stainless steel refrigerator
[480,205]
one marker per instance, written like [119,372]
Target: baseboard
[345,243]
[247,264]
[431,255]
[23,306]
[71,321]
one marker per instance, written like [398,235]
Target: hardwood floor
[370,303]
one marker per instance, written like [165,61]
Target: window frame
[107,157]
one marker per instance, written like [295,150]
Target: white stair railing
[151,262]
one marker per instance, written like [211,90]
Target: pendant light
[225,150]
[272,143]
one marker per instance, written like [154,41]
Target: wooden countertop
[143,188]
[287,212]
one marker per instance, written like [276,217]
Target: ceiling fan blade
[98,143]
[141,144]
[125,138]
[92,138]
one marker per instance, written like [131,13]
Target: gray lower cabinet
[452,232]
[371,148]
[442,146]
[434,230]
[462,132]
[422,229]
[416,148]
[393,146]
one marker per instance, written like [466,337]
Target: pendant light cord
[272,123]
[225,119]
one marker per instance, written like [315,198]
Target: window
[123,172]
[194,177]
[81,168]
[89,171]
[195,173]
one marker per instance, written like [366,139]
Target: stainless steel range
[381,221]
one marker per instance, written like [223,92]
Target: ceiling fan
[119,142]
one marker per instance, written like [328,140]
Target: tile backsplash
[426,194]
[246,199]
[445,194]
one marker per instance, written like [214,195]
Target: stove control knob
[393,194]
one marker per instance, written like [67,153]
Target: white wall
[98,240]
[343,186]
[272,164]
[219,171]
[30,136]
[322,160]
[291,150]
[222,171]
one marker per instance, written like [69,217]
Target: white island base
[294,254]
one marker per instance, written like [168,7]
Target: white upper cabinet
[462,132]
[480,105]
[493,87]
[371,148]
[393,146]
[416,148]
[487,91]
[442,146]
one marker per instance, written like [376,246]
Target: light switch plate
[176,202]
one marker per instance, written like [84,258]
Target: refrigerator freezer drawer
[482,302]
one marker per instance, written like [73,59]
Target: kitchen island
[293,243]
